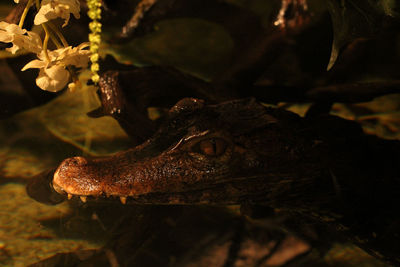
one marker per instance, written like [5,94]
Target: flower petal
[20,38]
[51,9]
[34,64]
[5,37]
[46,13]
[47,83]
[57,72]
[13,49]
[75,56]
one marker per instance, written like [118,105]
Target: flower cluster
[51,9]
[53,74]
[94,37]
[20,38]
[54,65]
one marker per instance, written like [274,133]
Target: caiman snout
[72,178]
[110,176]
[76,161]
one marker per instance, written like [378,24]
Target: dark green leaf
[353,19]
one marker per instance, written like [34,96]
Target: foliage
[352,19]
[55,66]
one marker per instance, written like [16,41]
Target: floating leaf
[66,118]
[353,19]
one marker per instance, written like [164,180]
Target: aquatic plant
[56,67]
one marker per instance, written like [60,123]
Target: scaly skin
[170,162]
[240,152]
[263,154]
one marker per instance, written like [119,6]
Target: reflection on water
[32,142]
[25,235]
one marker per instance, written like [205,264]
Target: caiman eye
[212,146]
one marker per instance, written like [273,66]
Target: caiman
[239,152]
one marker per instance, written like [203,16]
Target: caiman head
[241,151]
[222,153]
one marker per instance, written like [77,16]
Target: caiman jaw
[71,191]
[69,179]
[121,175]
[141,180]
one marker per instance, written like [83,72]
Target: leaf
[193,45]
[65,117]
[353,19]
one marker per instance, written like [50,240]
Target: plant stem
[52,37]
[46,37]
[58,33]
[45,42]
[23,16]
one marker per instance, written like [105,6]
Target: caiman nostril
[76,161]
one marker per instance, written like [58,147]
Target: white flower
[52,79]
[20,38]
[51,9]
[75,56]
[53,75]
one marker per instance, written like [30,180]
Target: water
[38,130]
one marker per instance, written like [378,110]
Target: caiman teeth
[123,200]
[83,198]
